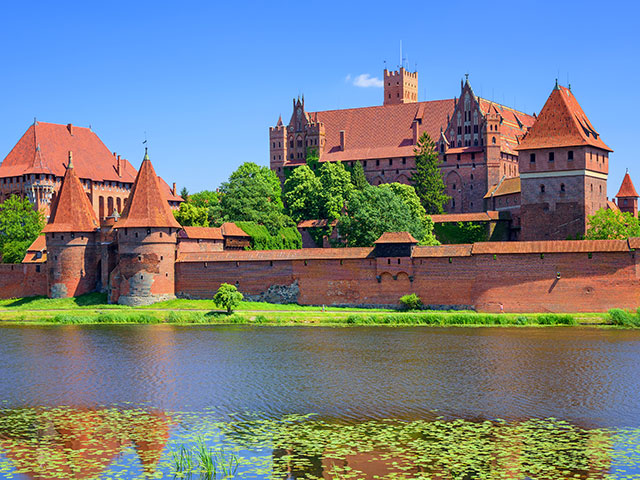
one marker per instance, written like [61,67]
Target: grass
[200,459]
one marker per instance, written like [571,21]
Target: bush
[286,238]
[411,302]
[624,318]
[228,297]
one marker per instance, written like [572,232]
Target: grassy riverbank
[93,309]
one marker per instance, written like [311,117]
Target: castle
[545,173]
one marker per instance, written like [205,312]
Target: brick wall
[520,282]
[22,280]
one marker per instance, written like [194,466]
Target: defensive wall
[22,280]
[558,276]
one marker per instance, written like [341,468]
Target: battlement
[400,86]
[400,73]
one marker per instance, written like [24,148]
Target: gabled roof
[562,123]
[323,222]
[507,186]
[147,206]
[230,229]
[44,149]
[395,237]
[488,216]
[71,210]
[514,123]
[380,131]
[37,251]
[202,233]
[627,189]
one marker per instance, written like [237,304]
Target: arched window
[493,140]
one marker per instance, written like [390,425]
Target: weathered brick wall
[72,264]
[22,280]
[520,282]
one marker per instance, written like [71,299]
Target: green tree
[427,178]
[611,225]
[373,211]
[358,179]
[408,195]
[228,297]
[191,216]
[209,200]
[20,225]
[301,194]
[184,193]
[253,194]
[336,188]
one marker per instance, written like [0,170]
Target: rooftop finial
[466,76]
[556,87]
[146,155]
[70,164]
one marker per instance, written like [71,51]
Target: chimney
[414,128]
[70,128]
[173,190]
[342,140]
[118,166]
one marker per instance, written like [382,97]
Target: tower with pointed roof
[146,237]
[627,197]
[278,147]
[70,235]
[563,170]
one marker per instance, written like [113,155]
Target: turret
[627,197]
[70,235]
[400,86]
[278,148]
[146,235]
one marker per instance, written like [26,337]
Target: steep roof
[230,229]
[627,189]
[44,148]
[506,186]
[71,210]
[396,237]
[37,251]
[147,207]
[513,126]
[380,131]
[562,123]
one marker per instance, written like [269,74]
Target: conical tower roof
[147,206]
[627,189]
[561,123]
[71,210]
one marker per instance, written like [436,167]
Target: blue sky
[205,81]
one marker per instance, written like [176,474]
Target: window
[472,176]
[532,158]
[493,140]
[404,160]
[454,186]
[541,188]
[624,202]
[562,189]
[551,156]
[377,163]
[458,157]
[390,161]
[459,130]
[473,156]
[570,155]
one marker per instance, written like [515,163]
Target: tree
[358,179]
[408,195]
[228,297]
[611,225]
[191,216]
[184,193]
[209,200]
[427,178]
[253,194]
[372,211]
[20,225]
[301,194]
[336,187]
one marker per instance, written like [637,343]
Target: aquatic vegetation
[624,318]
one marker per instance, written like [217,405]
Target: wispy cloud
[347,78]
[365,80]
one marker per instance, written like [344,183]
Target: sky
[203,81]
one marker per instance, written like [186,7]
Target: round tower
[147,239]
[627,197]
[72,260]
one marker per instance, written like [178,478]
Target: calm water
[180,379]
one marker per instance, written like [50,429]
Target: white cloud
[347,78]
[366,80]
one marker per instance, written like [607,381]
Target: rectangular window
[390,161]
[532,158]
[551,156]
[459,130]
[570,155]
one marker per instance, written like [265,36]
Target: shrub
[624,318]
[228,297]
[411,302]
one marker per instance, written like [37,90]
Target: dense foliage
[427,179]
[210,201]
[358,179]
[228,297]
[284,238]
[611,225]
[461,232]
[188,215]
[301,194]
[20,225]
[411,302]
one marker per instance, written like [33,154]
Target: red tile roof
[627,189]
[71,210]
[146,206]
[507,186]
[396,237]
[611,205]
[37,251]
[554,246]
[466,217]
[316,223]
[230,229]
[461,250]
[380,131]
[514,124]
[562,123]
[204,233]
[270,255]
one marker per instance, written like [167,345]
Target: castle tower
[492,143]
[278,148]
[563,166]
[72,261]
[627,197]
[400,86]
[146,236]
